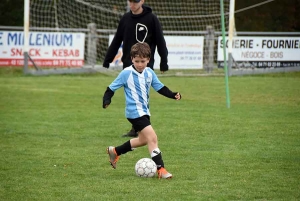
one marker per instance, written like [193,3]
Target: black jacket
[144,27]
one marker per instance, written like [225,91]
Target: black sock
[159,161]
[124,148]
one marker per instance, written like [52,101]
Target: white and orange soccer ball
[145,167]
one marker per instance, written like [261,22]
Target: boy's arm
[115,85]
[165,91]
[107,97]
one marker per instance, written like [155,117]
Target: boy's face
[140,63]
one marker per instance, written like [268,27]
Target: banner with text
[53,49]
[185,52]
[262,52]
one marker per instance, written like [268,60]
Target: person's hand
[105,65]
[106,103]
[178,96]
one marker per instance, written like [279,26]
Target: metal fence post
[92,44]
[209,49]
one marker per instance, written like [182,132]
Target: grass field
[54,132]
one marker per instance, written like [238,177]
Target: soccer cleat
[113,157]
[131,133]
[163,173]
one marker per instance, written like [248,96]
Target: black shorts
[140,123]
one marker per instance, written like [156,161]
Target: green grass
[53,135]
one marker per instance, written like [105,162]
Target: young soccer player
[137,80]
[140,24]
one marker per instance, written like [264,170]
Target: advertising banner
[185,52]
[263,51]
[51,49]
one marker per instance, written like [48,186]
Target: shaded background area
[274,16]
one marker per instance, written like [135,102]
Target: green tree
[274,16]
[11,12]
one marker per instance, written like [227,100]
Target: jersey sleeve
[156,83]
[119,81]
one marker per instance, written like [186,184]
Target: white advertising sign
[45,48]
[117,60]
[263,51]
[185,52]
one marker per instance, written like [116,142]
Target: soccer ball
[145,167]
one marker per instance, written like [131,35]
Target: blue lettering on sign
[58,40]
[40,39]
[49,39]
[69,39]
[1,33]
[14,39]
[30,39]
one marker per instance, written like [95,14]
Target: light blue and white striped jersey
[136,88]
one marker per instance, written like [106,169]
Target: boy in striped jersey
[137,80]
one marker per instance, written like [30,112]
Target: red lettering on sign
[19,52]
[16,52]
[65,53]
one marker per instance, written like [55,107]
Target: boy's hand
[106,103]
[178,96]
[107,97]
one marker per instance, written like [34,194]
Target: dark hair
[140,50]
